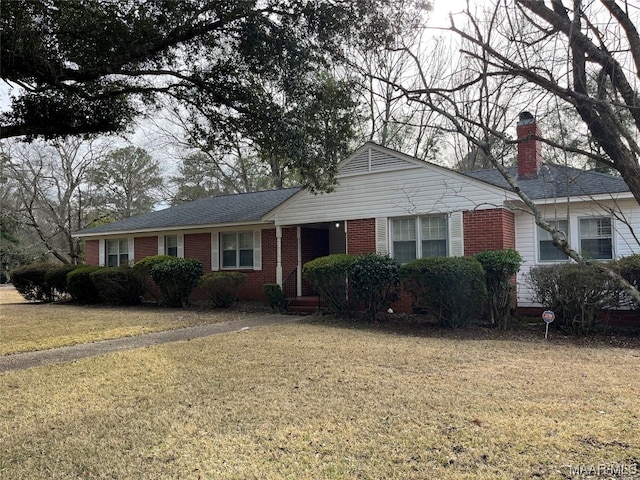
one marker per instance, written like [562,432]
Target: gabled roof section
[211,211]
[555,181]
[372,158]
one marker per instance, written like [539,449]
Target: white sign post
[548,316]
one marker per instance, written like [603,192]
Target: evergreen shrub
[328,278]
[578,293]
[118,285]
[275,296]
[80,285]
[374,280]
[29,281]
[222,287]
[56,278]
[500,266]
[452,289]
[176,279]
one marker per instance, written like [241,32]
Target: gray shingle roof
[243,207]
[556,181]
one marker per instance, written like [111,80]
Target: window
[171,245]
[595,238]
[548,251]
[419,237]
[117,252]
[237,250]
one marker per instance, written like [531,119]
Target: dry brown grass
[313,400]
[28,326]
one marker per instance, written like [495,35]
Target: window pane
[112,260]
[229,258]
[229,241]
[595,238]
[112,247]
[434,248]
[124,246]
[246,258]
[246,240]
[434,228]
[548,251]
[171,245]
[404,252]
[124,259]
[599,248]
[404,229]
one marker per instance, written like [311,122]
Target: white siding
[527,234]
[415,191]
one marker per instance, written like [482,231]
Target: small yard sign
[548,316]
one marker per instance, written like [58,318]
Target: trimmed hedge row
[175,278]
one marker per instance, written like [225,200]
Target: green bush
[500,266]
[81,286]
[374,280]
[275,296]
[30,282]
[56,278]
[629,268]
[328,277]
[452,289]
[176,279]
[118,285]
[143,270]
[4,278]
[578,293]
[222,287]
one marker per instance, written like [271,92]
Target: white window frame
[597,237]
[418,232]
[238,265]
[121,254]
[544,236]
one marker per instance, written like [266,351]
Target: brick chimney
[529,151]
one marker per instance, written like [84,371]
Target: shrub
[176,279]
[275,296]
[143,270]
[4,278]
[328,277]
[499,268]
[452,289]
[118,285]
[629,268]
[30,282]
[374,280]
[576,292]
[222,287]
[81,286]
[56,278]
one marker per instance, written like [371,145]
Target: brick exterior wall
[488,230]
[92,252]
[197,245]
[361,236]
[144,247]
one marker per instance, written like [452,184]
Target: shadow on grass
[521,331]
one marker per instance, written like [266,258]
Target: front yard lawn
[320,400]
[27,327]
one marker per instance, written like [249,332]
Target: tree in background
[126,182]
[50,194]
[541,57]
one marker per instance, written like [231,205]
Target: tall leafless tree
[517,55]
